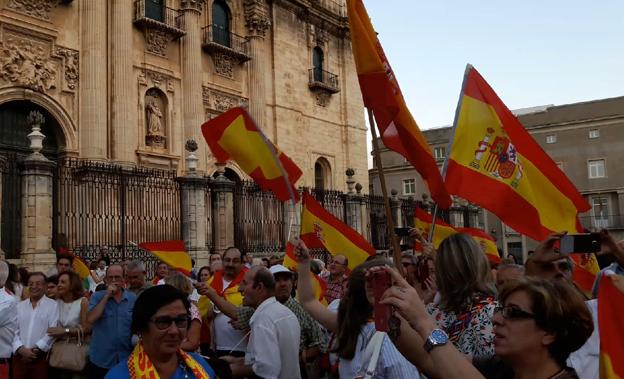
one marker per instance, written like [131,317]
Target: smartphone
[580,243]
[381,282]
[402,232]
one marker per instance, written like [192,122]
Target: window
[600,212]
[318,60]
[439,152]
[409,187]
[551,138]
[221,23]
[155,9]
[322,174]
[596,168]
[594,133]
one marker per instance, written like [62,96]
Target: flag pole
[390,223]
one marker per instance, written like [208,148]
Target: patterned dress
[471,330]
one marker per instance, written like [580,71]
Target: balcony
[150,15]
[323,81]
[218,40]
[615,221]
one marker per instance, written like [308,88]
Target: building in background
[585,139]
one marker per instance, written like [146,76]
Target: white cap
[276,269]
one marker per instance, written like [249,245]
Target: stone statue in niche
[154,119]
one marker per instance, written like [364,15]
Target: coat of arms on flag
[498,158]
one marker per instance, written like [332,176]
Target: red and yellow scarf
[140,366]
[230,293]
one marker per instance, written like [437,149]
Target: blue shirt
[121,370]
[111,335]
[615,267]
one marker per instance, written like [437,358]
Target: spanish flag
[423,221]
[234,135]
[321,229]
[495,163]
[486,241]
[585,271]
[318,284]
[381,94]
[610,311]
[172,253]
[81,268]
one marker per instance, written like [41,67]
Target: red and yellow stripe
[610,311]
[585,271]
[319,286]
[423,221]
[533,197]
[172,253]
[486,241]
[381,93]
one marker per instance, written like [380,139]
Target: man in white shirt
[8,322]
[31,342]
[273,347]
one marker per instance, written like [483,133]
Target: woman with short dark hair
[161,320]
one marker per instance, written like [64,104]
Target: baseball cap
[276,269]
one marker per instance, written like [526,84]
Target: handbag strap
[371,354]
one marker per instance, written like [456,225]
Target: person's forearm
[304,283]
[411,345]
[98,310]
[224,306]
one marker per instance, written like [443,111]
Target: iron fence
[377,214]
[217,35]
[11,217]
[332,201]
[408,206]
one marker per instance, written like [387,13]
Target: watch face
[438,337]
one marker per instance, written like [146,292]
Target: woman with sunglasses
[536,328]
[161,320]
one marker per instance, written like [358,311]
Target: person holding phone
[353,324]
[110,317]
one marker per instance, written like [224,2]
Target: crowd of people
[453,314]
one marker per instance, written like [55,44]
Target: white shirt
[585,361]
[8,323]
[33,324]
[273,348]
[226,337]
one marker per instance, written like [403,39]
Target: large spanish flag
[585,271]
[321,229]
[172,253]
[234,135]
[318,284]
[423,221]
[486,241]
[381,94]
[495,163]
[610,311]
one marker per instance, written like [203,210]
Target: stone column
[619,222]
[352,204]
[93,79]
[257,21]
[192,104]
[2,166]
[124,95]
[222,211]
[395,205]
[364,213]
[194,217]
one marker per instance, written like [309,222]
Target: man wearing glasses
[110,314]
[336,277]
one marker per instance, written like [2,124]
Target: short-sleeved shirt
[121,371]
[613,267]
[311,333]
[471,331]
[111,338]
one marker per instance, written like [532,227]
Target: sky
[531,52]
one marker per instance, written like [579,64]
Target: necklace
[183,367]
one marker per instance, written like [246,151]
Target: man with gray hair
[135,277]
[507,273]
[8,322]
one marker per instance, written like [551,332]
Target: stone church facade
[130,82]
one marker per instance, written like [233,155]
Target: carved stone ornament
[26,64]
[156,79]
[223,102]
[322,98]
[205,94]
[70,64]
[155,118]
[192,4]
[34,8]
[157,41]
[257,18]
[224,65]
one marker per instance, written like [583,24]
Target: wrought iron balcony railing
[615,221]
[217,39]
[150,14]
[324,80]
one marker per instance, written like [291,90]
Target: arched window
[221,23]
[322,174]
[155,9]
[318,59]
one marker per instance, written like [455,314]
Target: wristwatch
[438,337]
[66,330]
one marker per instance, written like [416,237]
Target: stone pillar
[222,211]
[93,79]
[194,217]
[620,219]
[192,103]
[124,95]
[353,204]
[257,21]
[395,205]
[364,213]
[2,166]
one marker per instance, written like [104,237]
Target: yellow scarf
[140,366]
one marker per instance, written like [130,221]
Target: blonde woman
[183,284]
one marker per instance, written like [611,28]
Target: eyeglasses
[512,312]
[164,322]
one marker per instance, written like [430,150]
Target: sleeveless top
[69,313]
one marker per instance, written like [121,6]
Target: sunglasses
[512,312]
[164,322]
